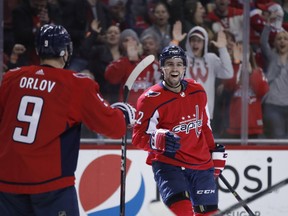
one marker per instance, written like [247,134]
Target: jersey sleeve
[141,135]
[98,115]
[206,129]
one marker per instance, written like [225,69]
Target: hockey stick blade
[135,73]
[253,197]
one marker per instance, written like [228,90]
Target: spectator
[160,24]
[140,15]
[151,46]
[83,17]
[175,9]
[178,36]
[27,18]
[272,13]
[118,71]
[41,111]
[195,15]
[224,17]
[204,66]
[258,87]
[276,100]
[285,9]
[151,43]
[8,36]
[97,10]
[120,14]
[269,12]
[223,96]
[100,55]
[227,15]
[15,59]
[209,5]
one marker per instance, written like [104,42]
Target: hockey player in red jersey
[173,126]
[41,110]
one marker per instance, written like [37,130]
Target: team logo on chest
[189,123]
[151,93]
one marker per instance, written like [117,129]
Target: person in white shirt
[204,66]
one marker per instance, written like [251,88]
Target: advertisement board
[249,171]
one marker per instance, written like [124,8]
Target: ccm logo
[205,191]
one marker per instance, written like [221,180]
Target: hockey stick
[127,87]
[254,197]
[236,195]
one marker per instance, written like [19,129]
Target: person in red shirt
[117,72]
[258,87]
[173,126]
[225,17]
[41,111]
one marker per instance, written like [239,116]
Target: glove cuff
[157,140]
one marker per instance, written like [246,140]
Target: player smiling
[173,126]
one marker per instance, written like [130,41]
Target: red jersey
[183,113]
[41,110]
[258,87]
[118,72]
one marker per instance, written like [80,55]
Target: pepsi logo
[99,187]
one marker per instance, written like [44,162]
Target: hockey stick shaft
[254,197]
[123,175]
[123,162]
[127,87]
[236,195]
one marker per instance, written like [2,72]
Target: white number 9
[32,119]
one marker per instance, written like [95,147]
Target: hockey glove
[219,156]
[128,110]
[165,141]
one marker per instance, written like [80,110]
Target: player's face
[173,71]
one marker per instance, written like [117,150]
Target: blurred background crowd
[111,36]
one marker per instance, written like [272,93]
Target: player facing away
[173,126]
[41,110]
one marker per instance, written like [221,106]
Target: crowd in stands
[110,37]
